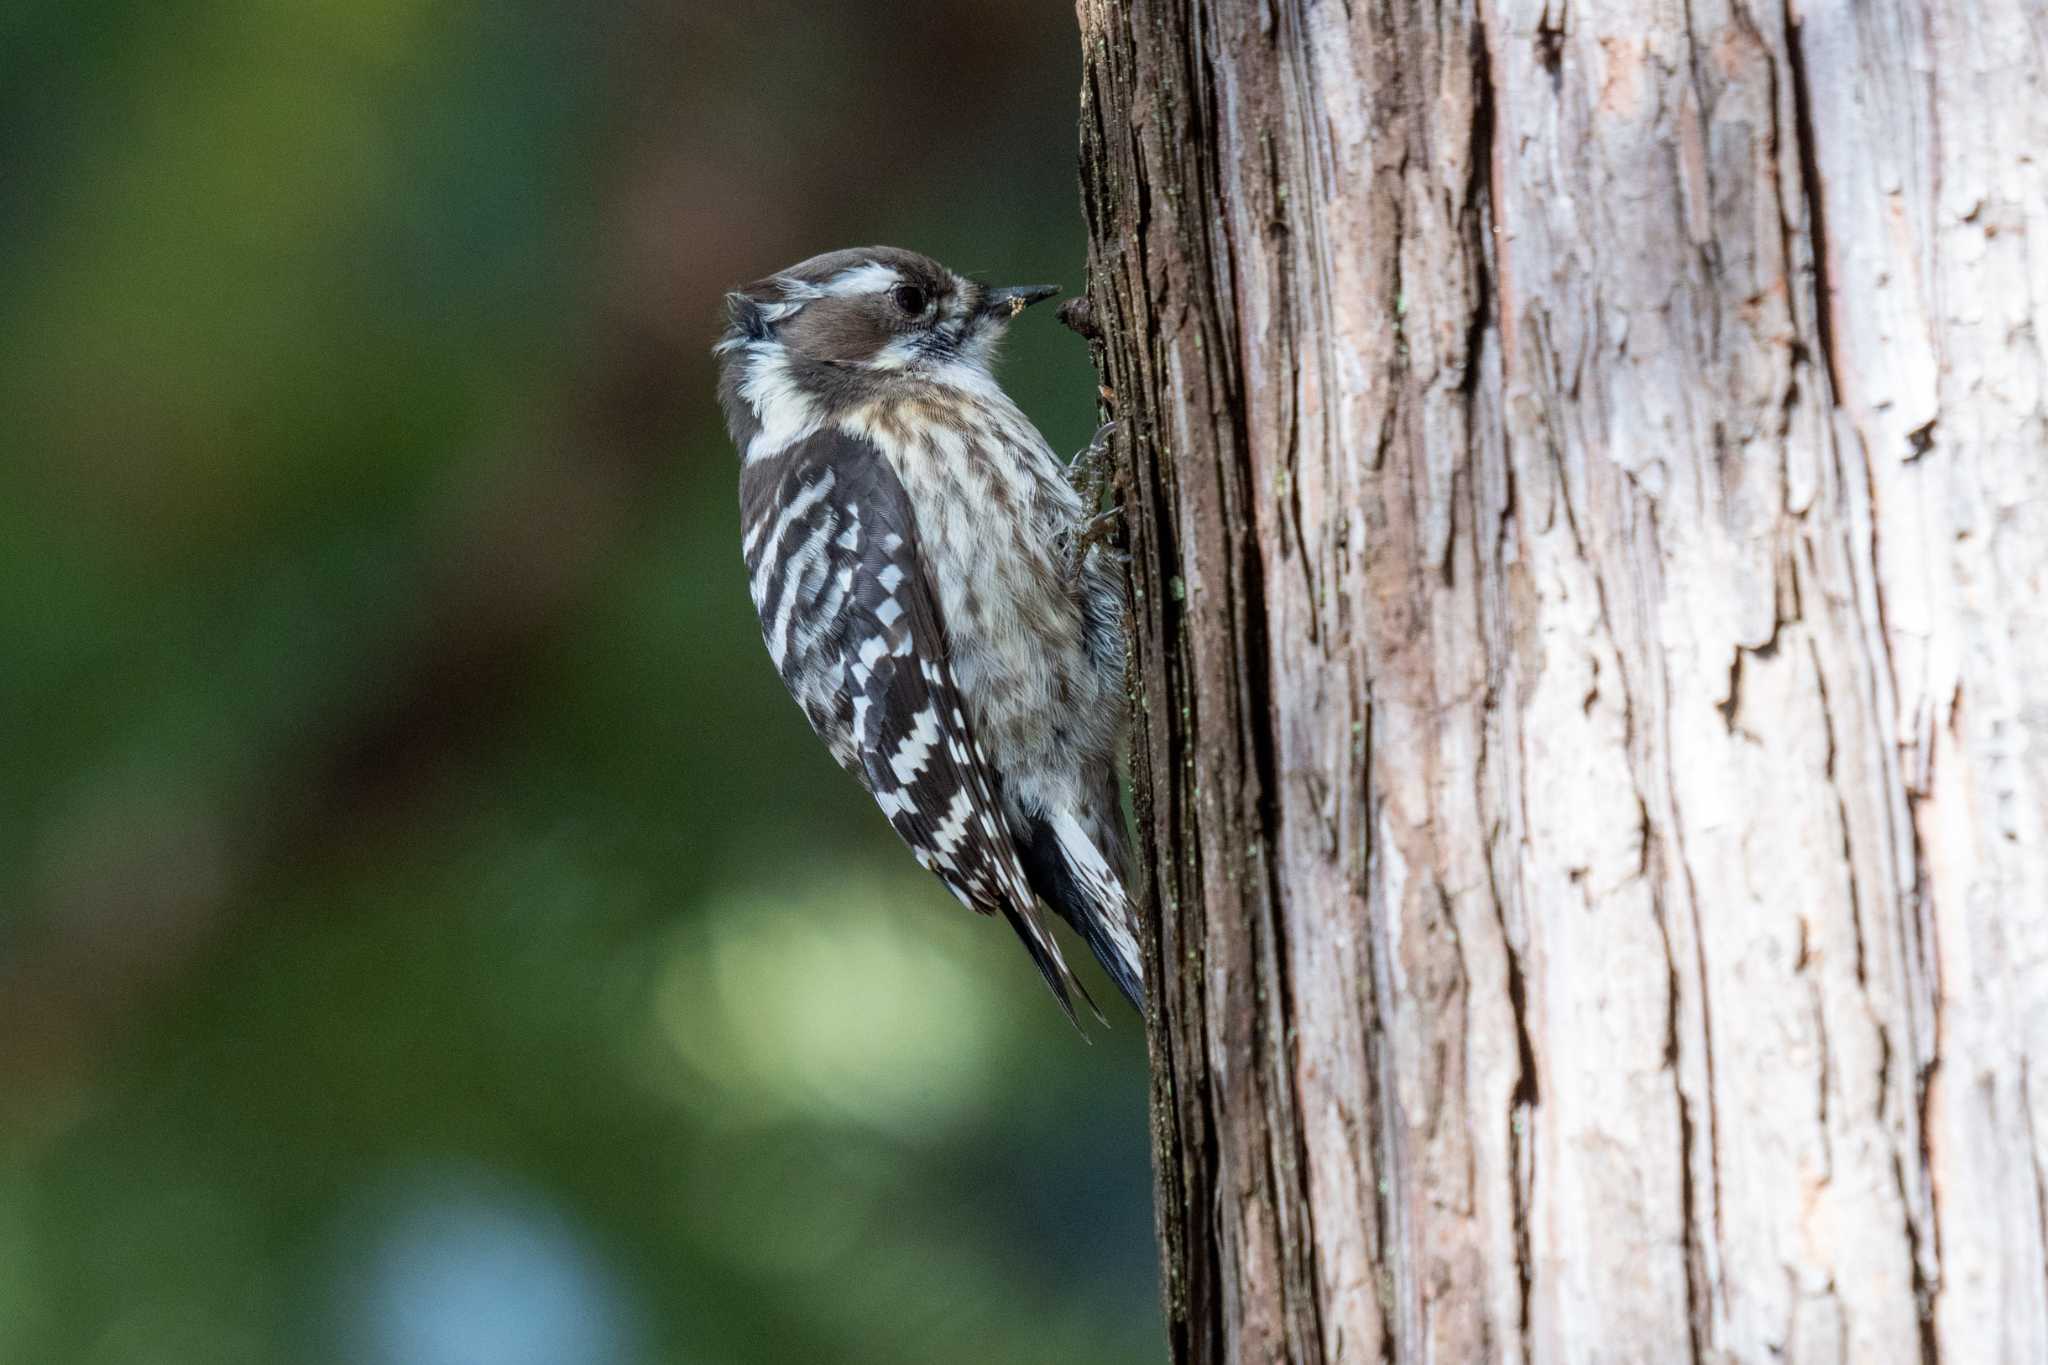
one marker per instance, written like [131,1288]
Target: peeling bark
[1588,486]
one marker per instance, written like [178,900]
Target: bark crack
[1698,1283]
[1816,207]
[1523,1100]
[1482,212]
[2034,1150]
[1923,1292]
[1688,1195]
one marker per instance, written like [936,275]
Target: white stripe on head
[871,278]
[899,354]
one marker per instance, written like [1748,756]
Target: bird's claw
[1092,471]
[1097,531]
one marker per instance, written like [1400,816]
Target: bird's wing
[853,624]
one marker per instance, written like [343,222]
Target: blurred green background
[428,933]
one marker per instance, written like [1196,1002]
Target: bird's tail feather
[1090,895]
[1045,954]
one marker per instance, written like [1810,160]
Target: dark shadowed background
[428,933]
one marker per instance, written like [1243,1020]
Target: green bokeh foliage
[425,924]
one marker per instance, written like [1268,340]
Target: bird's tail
[1070,872]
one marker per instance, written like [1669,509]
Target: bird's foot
[1099,530]
[1093,471]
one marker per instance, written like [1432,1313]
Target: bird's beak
[1007,302]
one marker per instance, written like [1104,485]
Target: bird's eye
[909,298]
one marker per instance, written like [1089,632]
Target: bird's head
[875,311]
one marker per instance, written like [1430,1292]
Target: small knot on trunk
[1078,313]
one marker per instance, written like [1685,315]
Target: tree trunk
[1588,485]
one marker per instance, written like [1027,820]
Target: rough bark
[1587,468]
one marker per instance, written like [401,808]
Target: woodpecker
[928,589]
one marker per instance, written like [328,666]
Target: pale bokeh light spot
[836,1000]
